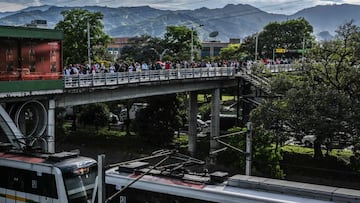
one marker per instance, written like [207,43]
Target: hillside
[231,21]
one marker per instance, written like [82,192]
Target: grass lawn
[201,98]
[340,154]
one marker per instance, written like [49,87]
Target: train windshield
[79,183]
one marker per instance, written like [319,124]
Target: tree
[248,46]
[289,34]
[94,114]
[160,119]
[75,43]
[335,75]
[272,116]
[324,100]
[178,39]
[232,51]
[143,48]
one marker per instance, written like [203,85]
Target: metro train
[32,177]
[67,177]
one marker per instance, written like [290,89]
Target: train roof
[235,188]
[176,180]
[60,159]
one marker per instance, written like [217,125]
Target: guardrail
[118,78]
[278,68]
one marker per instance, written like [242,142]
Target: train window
[80,183]
[32,183]
[3,176]
[28,181]
[16,179]
[47,185]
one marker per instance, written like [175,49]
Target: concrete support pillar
[193,108]
[215,119]
[51,127]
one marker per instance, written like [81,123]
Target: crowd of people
[75,69]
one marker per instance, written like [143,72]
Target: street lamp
[192,42]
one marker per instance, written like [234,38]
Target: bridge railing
[118,78]
[278,68]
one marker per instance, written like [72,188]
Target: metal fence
[118,78]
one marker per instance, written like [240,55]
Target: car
[201,125]
[308,140]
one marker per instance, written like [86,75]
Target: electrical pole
[256,45]
[88,43]
[192,45]
[303,49]
[248,149]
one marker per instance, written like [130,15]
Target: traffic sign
[280,50]
[300,51]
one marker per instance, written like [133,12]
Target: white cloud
[5,6]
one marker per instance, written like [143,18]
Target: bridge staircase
[253,90]
[256,81]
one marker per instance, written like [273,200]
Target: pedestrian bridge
[41,97]
[121,78]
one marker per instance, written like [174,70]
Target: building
[213,48]
[28,53]
[37,23]
[116,46]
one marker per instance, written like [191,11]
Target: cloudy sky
[272,6]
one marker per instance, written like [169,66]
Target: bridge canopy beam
[13,133]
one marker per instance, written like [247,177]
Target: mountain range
[231,21]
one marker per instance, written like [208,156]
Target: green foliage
[75,40]
[339,165]
[232,51]
[94,114]
[355,162]
[283,82]
[159,120]
[323,100]
[182,142]
[205,110]
[271,116]
[178,39]
[143,49]
[248,47]
[340,154]
[267,162]
[230,157]
[289,34]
